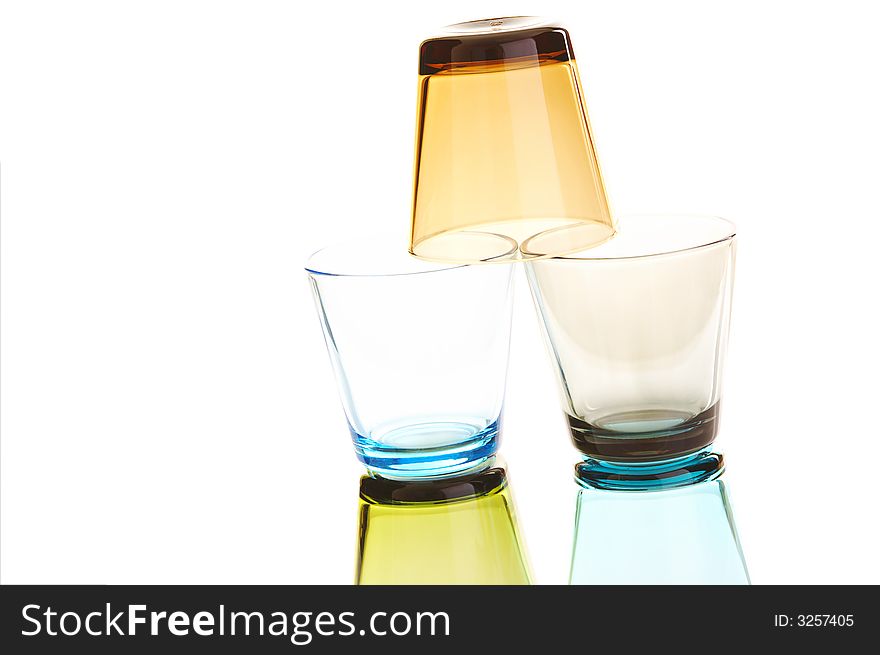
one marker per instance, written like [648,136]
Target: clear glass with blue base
[420,354]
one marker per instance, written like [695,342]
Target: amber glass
[457,530]
[505,165]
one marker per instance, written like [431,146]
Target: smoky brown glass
[637,328]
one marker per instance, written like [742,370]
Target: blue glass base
[677,535]
[649,476]
[406,452]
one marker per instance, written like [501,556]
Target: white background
[168,408]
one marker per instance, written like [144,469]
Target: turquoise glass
[678,534]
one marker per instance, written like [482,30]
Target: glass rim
[337,266]
[590,254]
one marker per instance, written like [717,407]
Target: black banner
[276,619]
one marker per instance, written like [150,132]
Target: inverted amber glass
[505,164]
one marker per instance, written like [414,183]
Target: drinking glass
[637,328]
[452,530]
[680,535]
[504,152]
[420,355]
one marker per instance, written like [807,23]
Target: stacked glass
[636,323]
[637,329]
[420,353]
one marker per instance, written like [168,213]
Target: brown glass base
[661,439]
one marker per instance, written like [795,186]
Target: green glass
[460,530]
